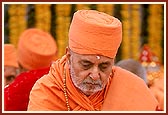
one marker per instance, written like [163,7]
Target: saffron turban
[10,56]
[94,32]
[36,49]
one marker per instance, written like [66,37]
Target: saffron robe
[124,92]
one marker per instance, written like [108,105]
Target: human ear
[68,55]
[67,52]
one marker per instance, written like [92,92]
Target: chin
[88,93]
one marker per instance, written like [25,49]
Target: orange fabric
[93,32]
[36,49]
[10,56]
[158,91]
[54,98]
[126,92]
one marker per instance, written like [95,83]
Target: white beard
[83,86]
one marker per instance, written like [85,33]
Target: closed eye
[104,66]
[86,64]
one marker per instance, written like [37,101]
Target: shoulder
[53,79]
[126,76]
[46,94]
[128,92]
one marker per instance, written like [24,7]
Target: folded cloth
[10,56]
[94,32]
[36,49]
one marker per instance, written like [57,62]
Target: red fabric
[16,95]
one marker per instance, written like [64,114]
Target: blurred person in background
[36,52]
[11,66]
[134,67]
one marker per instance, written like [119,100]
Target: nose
[95,75]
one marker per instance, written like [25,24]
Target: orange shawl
[48,93]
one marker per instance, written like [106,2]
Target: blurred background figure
[155,74]
[36,51]
[134,67]
[11,67]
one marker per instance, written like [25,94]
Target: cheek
[82,75]
[104,78]
[78,75]
[107,73]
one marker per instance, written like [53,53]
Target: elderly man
[85,78]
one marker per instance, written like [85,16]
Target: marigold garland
[131,20]
[62,26]
[125,13]
[17,21]
[82,6]
[155,25]
[43,17]
[106,8]
[135,30]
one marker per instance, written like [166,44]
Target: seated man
[85,79]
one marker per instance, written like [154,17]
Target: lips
[92,83]
[89,83]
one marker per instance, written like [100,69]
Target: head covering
[36,49]
[10,55]
[94,32]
